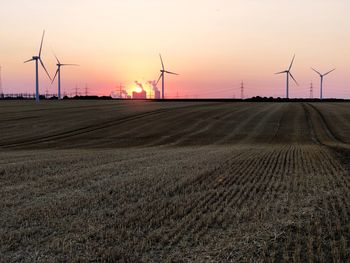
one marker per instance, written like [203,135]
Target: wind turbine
[37,59]
[288,74]
[58,72]
[162,75]
[322,76]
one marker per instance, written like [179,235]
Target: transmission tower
[311,91]
[121,91]
[242,90]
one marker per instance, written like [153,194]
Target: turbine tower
[288,74]
[322,76]
[58,73]
[162,75]
[37,59]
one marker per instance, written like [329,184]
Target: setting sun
[138,89]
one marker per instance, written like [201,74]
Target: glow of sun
[138,89]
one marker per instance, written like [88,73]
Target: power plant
[139,95]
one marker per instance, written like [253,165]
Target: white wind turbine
[322,76]
[162,75]
[288,74]
[37,59]
[58,74]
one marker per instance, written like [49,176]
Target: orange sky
[213,45]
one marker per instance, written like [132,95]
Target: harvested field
[176,181]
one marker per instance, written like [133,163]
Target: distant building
[139,95]
[157,94]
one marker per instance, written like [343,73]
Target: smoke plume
[139,84]
[153,85]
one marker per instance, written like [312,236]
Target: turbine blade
[171,72]
[281,72]
[161,74]
[41,45]
[329,72]
[55,76]
[294,79]
[56,58]
[316,71]
[42,64]
[161,60]
[28,60]
[291,64]
[69,65]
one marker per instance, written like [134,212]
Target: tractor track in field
[92,128]
[340,148]
[325,125]
[310,125]
[79,131]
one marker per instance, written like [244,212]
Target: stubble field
[176,181]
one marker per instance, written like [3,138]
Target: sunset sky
[212,44]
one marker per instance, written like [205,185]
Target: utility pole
[1,91]
[311,91]
[242,90]
[86,90]
[121,91]
[76,90]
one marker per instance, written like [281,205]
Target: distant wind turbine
[36,59]
[322,76]
[58,73]
[288,74]
[162,75]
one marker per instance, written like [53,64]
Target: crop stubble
[174,182]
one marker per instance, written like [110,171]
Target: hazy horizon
[213,45]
